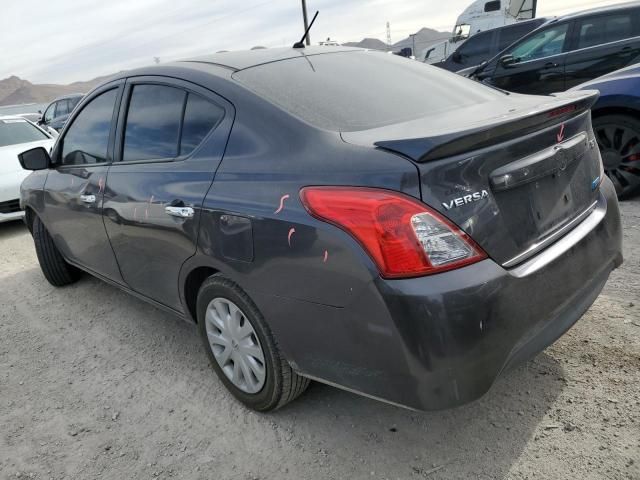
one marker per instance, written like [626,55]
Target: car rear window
[360,90]
[15,131]
[604,29]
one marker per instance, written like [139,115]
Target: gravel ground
[97,384]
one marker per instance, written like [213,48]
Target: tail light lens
[404,237]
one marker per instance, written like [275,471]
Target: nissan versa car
[320,217]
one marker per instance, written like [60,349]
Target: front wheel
[242,349]
[54,267]
[619,141]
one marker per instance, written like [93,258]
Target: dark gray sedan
[334,214]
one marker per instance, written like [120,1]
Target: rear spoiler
[505,128]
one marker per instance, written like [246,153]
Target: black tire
[282,384]
[55,269]
[618,137]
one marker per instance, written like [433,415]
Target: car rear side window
[604,29]
[360,90]
[16,131]
[153,122]
[200,116]
[87,138]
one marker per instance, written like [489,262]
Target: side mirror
[35,159]
[456,57]
[507,61]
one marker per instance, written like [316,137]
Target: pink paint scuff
[282,199]
[291,232]
[326,256]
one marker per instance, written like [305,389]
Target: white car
[16,135]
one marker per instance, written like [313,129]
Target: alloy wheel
[620,148]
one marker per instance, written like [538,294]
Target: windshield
[361,90]
[461,32]
[16,131]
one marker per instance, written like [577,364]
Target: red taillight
[403,236]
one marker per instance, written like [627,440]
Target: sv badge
[462,201]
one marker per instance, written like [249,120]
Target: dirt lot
[97,384]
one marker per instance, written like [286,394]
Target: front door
[170,140]
[75,187]
[537,63]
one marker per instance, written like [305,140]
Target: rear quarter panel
[269,158]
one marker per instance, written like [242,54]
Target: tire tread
[54,267]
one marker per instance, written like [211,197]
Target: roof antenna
[300,44]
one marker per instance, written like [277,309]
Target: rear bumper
[441,341]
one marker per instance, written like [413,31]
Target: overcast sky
[61,41]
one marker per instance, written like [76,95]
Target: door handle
[88,198]
[551,65]
[180,212]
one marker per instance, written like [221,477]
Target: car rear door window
[87,138]
[604,29]
[153,122]
[545,43]
[200,116]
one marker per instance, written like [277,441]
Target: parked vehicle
[410,248]
[16,135]
[567,51]
[57,113]
[478,17]
[616,122]
[486,45]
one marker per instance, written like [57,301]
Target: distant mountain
[15,91]
[425,37]
[370,43]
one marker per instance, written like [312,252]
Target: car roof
[240,60]
[69,95]
[591,11]
[540,20]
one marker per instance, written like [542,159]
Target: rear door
[170,140]
[601,44]
[538,63]
[74,189]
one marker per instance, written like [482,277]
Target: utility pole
[306,21]
[389,35]
[413,50]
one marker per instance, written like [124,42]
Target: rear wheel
[619,141]
[242,349]
[55,269]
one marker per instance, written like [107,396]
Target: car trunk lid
[516,177]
